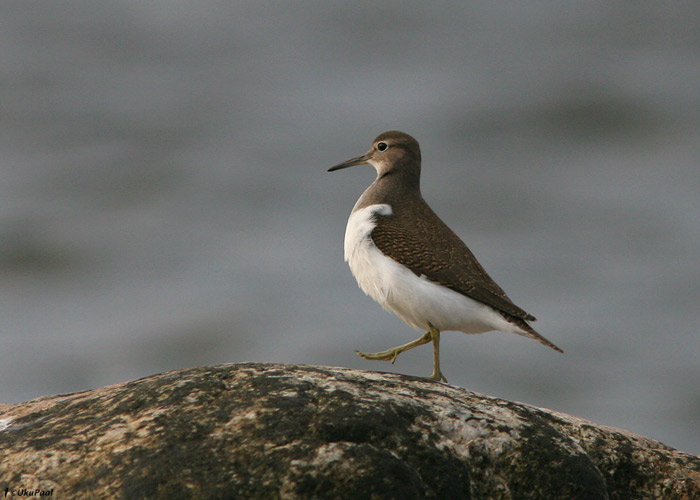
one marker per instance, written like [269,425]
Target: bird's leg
[435,337]
[391,354]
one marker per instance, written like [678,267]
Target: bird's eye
[382,146]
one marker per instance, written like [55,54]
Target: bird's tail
[528,331]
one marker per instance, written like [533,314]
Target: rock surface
[302,432]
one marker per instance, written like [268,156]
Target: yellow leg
[435,337]
[391,354]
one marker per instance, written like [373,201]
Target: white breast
[371,268]
[414,299]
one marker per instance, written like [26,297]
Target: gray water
[164,201]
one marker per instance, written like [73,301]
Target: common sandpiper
[407,259]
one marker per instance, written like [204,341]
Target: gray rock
[303,432]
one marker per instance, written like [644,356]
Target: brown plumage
[414,236]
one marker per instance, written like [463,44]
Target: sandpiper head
[391,152]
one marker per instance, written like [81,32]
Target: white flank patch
[416,300]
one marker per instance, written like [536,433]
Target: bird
[410,262]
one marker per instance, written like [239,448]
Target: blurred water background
[164,201]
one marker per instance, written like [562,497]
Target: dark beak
[360,160]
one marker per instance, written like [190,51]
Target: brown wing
[428,247]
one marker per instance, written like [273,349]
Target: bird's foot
[388,355]
[393,353]
[438,377]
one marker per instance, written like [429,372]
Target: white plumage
[414,299]
[391,216]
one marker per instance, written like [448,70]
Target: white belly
[414,299]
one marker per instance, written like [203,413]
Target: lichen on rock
[302,432]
